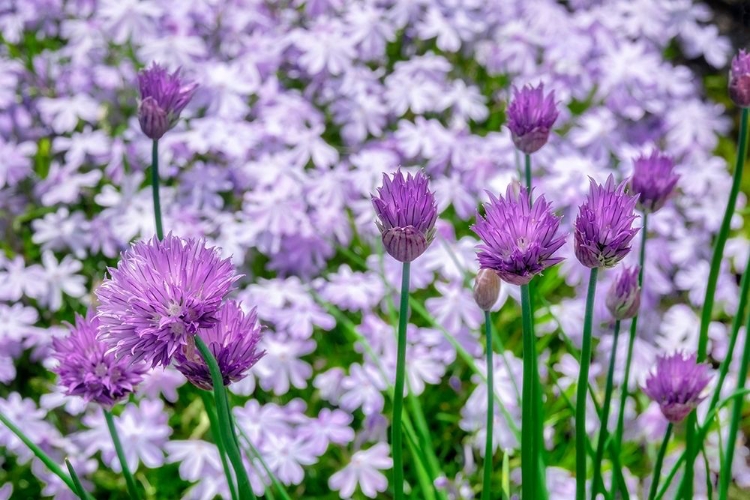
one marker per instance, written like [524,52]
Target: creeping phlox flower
[518,240]
[233,341]
[739,79]
[163,97]
[624,296]
[677,384]
[407,212]
[531,115]
[654,180]
[86,369]
[603,228]
[158,297]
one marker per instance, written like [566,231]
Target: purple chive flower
[233,340]
[407,212]
[624,296]
[158,297]
[676,385]
[518,241]
[739,80]
[603,228]
[654,180]
[163,97]
[86,369]
[531,115]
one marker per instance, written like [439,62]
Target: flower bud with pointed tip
[486,288]
[152,118]
[624,296]
[164,96]
[739,80]
[531,115]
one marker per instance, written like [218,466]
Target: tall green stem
[527,170]
[487,483]
[659,462]
[155,188]
[708,302]
[398,390]
[222,409]
[583,379]
[604,416]
[132,489]
[532,484]
[214,421]
[76,481]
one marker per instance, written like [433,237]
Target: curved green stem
[132,488]
[530,444]
[659,463]
[222,409]
[76,481]
[487,482]
[213,419]
[527,170]
[604,415]
[583,378]
[155,188]
[398,391]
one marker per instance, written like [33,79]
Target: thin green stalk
[132,489]
[659,462]
[604,416]
[41,455]
[227,437]
[76,482]
[155,188]
[530,453]
[527,170]
[583,378]
[487,480]
[213,419]
[398,395]
[708,301]
[274,480]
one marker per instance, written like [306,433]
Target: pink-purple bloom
[677,384]
[518,238]
[653,180]
[624,296]
[233,340]
[739,79]
[407,212]
[159,295]
[531,115]
[163,97]
[86,369]
[603,228]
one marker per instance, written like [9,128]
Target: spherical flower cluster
[653,180]
[519,238]
[677,385]
[603,228]
[407,212]
[531,115]
[159,295]
[86,369]
[233,340]
[163,97]
[624,296]
[739,79]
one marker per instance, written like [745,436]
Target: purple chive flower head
[233,340]
[158,297]
[163,97]
[407,212]
[531,115]
[518,240]
[739,80]
[86,369]
[677,384]
[653,180]
[624,296]
[603,228]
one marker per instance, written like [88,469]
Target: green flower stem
[583,378]
[604,415]
[530,443]
[725,474]
[527,171]
[227,437]
[41,455]
[76,482]
[398,394]
[213,419]
[254,451]
[155,188]
[659,462]
[708,302]
[132,488]
[487,480]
